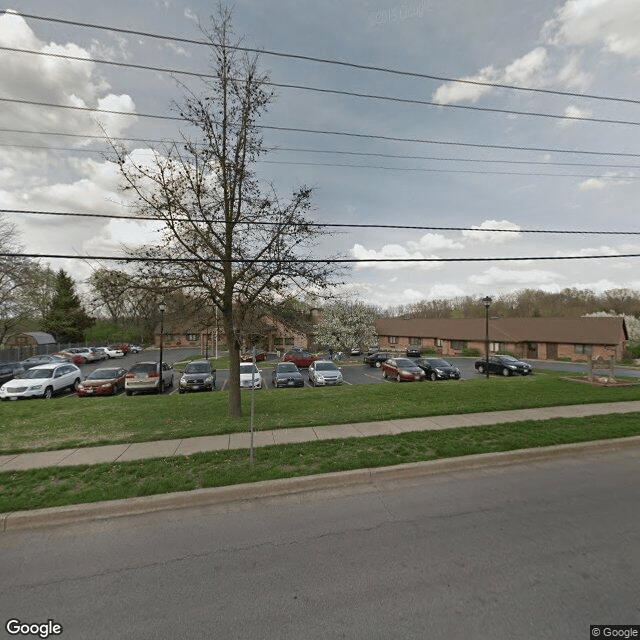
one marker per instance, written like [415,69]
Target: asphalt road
[534,550]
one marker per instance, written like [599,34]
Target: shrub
[470,353]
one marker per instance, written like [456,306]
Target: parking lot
[354,371]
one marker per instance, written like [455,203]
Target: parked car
[135,348]
[324,372]
[99,353]
[260,355]
[438,369]
[300,358]
[355,351]
[10,370]
[145,376]
[107,381]
[35,361]
[42,381]
[122,347]
[114,352]
[504,365]
[198,375]
[71,355]
[250,376]
[376,358]
[402,369]
[286,374]
[86,353]
[413,352]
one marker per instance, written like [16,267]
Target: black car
[438,369]
[376,359]
[504,365]
[36,361]
[198,375]
[413,352]
[9,371]
[286,374]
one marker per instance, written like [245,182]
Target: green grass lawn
[37,488]
[38,425]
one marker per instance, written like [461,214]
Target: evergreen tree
[66,319]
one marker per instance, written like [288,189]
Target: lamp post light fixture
[162,308]
[487,303]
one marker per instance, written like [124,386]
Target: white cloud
[459,92]
[591,184]
[496,277]
[614,24]
[496,237]
[574,112]
[527,70]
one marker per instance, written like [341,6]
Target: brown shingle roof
[559,330]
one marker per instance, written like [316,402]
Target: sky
[471,159]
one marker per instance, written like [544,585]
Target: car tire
[127,392]
[48,393]
[480,369]
[433,376]
[384,374]
[506,372]
[74,386]
[398,378]
[378,364]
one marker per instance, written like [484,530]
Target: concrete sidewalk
[187,446]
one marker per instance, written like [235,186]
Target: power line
[341,63]
[350,134]
[328,151]
[313,260]
[339,92]
[330,224]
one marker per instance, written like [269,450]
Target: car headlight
[36,386]
[512,366]
[319,377]
[209,380]
[183,382]
[439,371]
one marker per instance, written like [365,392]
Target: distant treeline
[528,303]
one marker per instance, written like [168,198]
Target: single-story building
[31,339]
[577,339]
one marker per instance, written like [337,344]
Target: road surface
[528,551]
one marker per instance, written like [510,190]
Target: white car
[250,376]
[42,382]
[113,353]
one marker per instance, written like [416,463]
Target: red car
[300,358]
[402,369]
[103,382]
[248,356]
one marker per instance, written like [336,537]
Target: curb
[372,477]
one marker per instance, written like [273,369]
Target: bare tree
[227,237]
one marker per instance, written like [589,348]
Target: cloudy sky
[473,158]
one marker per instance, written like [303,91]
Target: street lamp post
[162,308]
[487,303]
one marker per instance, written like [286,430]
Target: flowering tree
[346,325]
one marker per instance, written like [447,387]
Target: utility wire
[342,63]
[312,260]
[331,151]
[329,224]
[327,132]
[339,92]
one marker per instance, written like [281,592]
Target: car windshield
[325,366]
[405,362]
[508,359]
[248,368]
[103,374]
[287,367]
[438,362]
[144,367]
[197,367]
[304,354]
[38,373]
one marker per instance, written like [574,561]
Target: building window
[393,339]
[192,337]
[415,342]
[458,345]
[495,346]
[583,349]
[438,342]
